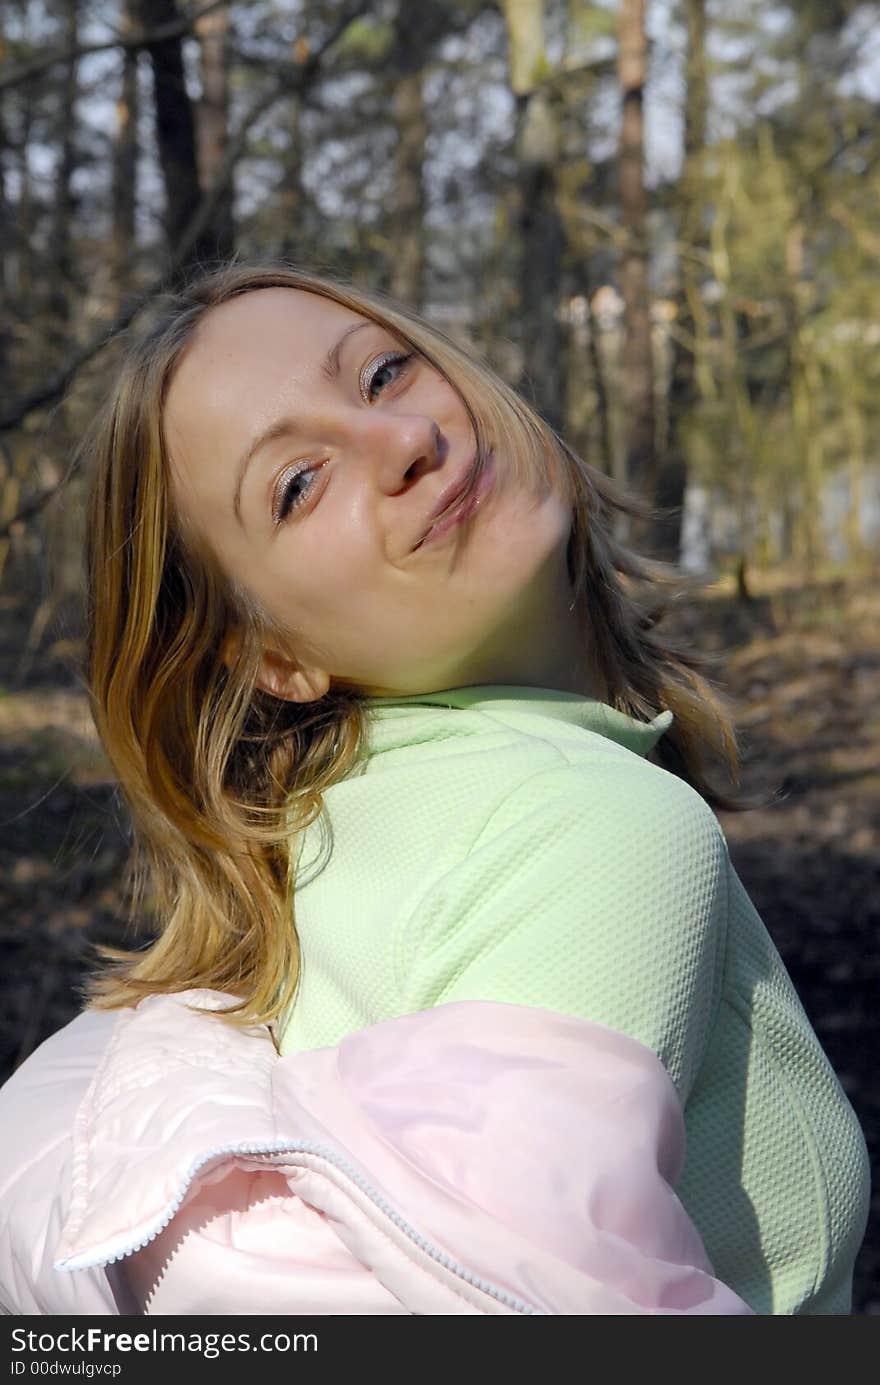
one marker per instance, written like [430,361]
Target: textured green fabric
[514,844]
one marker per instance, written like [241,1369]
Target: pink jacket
[473,1158]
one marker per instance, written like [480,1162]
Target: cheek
[316,591]
[519,531]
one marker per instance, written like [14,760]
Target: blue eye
[288,495]
[394,363]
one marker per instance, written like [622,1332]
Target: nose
[407,446]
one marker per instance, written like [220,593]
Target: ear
[291,682]
[280,675]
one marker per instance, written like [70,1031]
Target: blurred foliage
[785,345]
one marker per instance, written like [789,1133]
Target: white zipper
[271,1150]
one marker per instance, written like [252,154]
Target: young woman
[451,955]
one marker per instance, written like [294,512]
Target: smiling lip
[448,521]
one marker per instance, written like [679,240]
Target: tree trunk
[417,31]
[125,155]
[60,254]
[597,365]
[408,262]
[25,218]
[686,343]
[814,469]
[741,425]
[855,431]
[291,194]
[7,229]
[407,238]
[8,490]
[575,189]
[213,121]
[176,139]
[805,392]
[637,355]
[542,239]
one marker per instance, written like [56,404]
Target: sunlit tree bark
[291,195]
[212,30]
[416,30]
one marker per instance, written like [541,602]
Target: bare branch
[295,80]
[26,71]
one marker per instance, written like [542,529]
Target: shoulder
[617,805]
[600,892]
[594,851]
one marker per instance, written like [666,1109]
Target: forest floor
[802,664]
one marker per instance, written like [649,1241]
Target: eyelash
[401,358]
[283,504]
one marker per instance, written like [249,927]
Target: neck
[547,644]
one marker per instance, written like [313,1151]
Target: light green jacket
[513,844]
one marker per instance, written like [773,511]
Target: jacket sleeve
[37,1109]
[608,902]
[474,1158]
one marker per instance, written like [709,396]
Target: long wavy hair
[221,778]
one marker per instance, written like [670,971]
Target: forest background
[655,217]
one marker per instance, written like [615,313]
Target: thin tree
[176,138]
[125,155]
[60,239]
[416,31]
[7,229]
[538,142]
[689,337]
[637,352]
[213,31]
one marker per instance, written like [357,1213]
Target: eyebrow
[282,427]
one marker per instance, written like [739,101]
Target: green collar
[396,720]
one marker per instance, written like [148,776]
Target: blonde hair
[221,777]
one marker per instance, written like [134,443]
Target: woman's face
[310,457]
